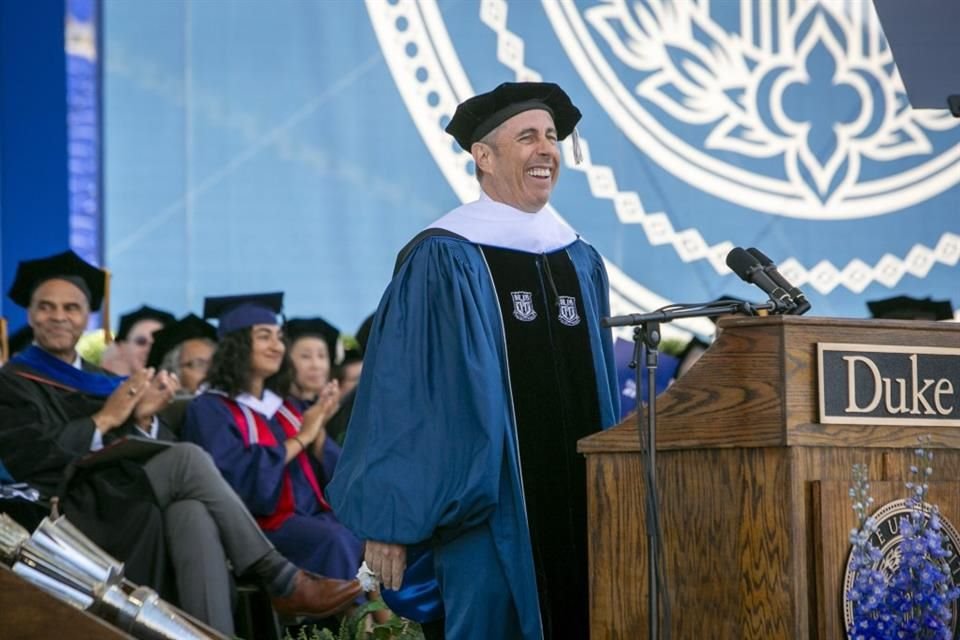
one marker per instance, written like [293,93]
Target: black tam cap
[909,308]
[243,311]
[129,320]
[62,266]
[481,114]
[189,327]
[297,328]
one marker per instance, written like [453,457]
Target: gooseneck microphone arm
[678,312]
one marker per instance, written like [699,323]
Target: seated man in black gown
[56,408]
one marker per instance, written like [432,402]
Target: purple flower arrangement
[909,591]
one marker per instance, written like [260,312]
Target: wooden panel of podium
[28,613]
[753,489]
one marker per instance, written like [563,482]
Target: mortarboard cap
[189,327]
[481,114]
[243,311]
[909,308]
[316,327]
[128,320]
[66,266]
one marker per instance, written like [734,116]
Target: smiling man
[55,408]
[486,363]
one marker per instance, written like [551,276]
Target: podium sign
[883,384]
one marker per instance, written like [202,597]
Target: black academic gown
[43,429]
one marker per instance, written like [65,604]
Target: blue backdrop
[298,144]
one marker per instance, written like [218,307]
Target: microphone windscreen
[741,263]
[760,256]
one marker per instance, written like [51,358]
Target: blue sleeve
[327,464]
[254,472]
[595,288]
[427,434]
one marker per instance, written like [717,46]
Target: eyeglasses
[200,364]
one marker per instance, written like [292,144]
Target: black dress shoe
[316,596]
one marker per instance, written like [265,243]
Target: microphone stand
[646,333]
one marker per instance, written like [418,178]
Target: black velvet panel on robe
[43,429]
[555,402]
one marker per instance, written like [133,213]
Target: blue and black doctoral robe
[435,456]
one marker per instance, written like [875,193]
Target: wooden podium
[753,488]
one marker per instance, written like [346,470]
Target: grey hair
[489,141]
[171,361]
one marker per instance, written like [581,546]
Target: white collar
[492,223]
[266,406]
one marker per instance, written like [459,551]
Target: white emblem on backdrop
[798,182]
[808,88]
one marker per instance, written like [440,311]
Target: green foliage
[673,346]
[354,628]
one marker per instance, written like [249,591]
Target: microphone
[803,305]
[750,270]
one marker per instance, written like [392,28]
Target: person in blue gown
[485,364]
[275,457]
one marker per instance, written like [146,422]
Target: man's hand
[121,402]
[157,395]
[387,561]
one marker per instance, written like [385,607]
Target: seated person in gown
[171,509]
[128,354]
[276,457]
[184,348]
[312,348]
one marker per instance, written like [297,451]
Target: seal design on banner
[798,110]
[888,540]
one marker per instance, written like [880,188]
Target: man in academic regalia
[486,363]
[56,408]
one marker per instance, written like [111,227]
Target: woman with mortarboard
[173,505]
[314,349]
[274,454]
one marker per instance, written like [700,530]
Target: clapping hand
[312,429]
[121,403]
[157,395]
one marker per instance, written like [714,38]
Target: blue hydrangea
[915,600]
